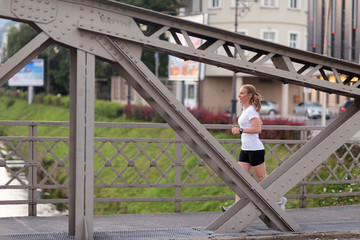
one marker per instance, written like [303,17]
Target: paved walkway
[317,223]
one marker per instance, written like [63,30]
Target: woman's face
[244,96]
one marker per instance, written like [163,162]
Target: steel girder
[111,31]
[81,164]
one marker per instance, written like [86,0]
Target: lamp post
[325,52]
[233,100]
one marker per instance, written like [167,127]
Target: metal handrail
[23,148]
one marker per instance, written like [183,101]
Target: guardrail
[132,164]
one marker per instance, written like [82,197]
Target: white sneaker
[224,209]
[282,203]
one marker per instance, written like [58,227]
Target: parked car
[269,108]
[310,110]
[346,105]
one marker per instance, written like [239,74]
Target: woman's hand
[235,130]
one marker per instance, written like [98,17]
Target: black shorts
[255,157]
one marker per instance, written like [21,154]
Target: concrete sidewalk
[323,223]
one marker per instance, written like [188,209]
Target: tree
[19,37]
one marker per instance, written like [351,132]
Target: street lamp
[233,100]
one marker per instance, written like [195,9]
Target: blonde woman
[252,154]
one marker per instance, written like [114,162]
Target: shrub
[141,113]
[65,101]
[206,117]
[147,113]
[108,109]
[129,111]
[39,98]
[23,95]
[283,134]
[8,102]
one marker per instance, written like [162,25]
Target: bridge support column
[81,176]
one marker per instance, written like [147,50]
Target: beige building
[279,21]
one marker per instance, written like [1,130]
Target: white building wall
[254,21]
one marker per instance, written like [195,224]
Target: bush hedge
[283,134]
[108,109]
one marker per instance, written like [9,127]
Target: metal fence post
[302,194]
[304,136]
[32,196]
[178,164]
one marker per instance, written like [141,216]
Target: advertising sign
[186,70]
[31,75]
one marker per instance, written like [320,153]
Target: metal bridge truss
[112,31]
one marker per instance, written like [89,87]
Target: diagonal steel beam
[23,57]
[292,171]
[189,128]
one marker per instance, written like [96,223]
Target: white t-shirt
[249,141]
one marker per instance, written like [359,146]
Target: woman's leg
[260,171]
[247,167]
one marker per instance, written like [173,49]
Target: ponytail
[256,97]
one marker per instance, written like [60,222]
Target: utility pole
[234,100]
[325,51]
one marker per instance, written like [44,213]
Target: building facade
[335,25]
[279,21]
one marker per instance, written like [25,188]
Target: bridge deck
[327,222]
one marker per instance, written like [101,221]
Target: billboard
[187,70]
[31,75]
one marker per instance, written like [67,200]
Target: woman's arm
[256,122]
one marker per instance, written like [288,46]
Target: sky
[2,22]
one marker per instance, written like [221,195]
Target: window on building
[269,3]
[191,92]
[294,4]
[241,4]
[269,36]
[294,40]
[214,3]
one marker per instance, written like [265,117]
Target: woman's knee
[261,177]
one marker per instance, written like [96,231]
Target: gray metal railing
[132,162]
